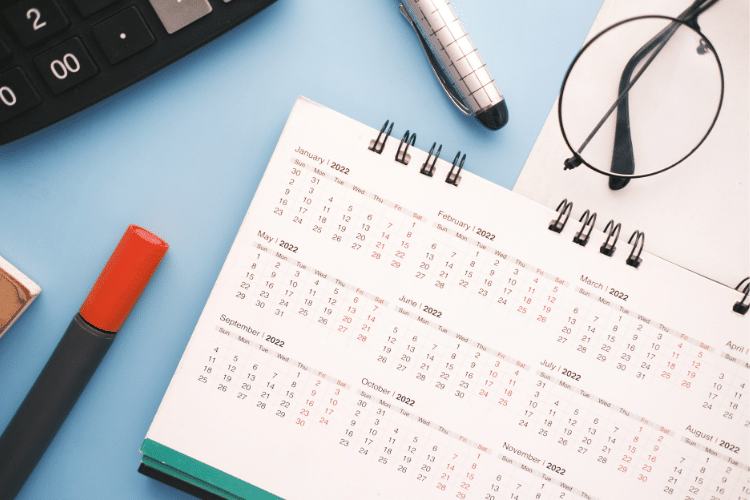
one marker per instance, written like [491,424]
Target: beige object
[17,292]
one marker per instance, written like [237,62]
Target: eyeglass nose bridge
[702,48]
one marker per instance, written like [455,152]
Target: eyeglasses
[641,96]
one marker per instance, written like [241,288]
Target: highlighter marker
[77,356]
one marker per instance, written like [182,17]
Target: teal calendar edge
[196,473]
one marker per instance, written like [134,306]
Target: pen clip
[436,67]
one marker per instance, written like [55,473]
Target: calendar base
[177,483]
[193,477]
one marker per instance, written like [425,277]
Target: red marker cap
[123,279]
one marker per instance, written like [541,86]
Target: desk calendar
[379,333]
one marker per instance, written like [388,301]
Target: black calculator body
[58,57]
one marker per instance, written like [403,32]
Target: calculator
[58,57]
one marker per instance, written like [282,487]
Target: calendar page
[379,333]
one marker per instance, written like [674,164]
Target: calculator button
[16,94]
[65,65]
[35,20]
[5,52]
[176,14]
[88,7]
[123,34]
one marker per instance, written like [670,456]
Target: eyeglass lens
[641,98]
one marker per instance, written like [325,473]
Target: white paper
[696,215]
[493,359]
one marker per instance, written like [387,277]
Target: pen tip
[495,117]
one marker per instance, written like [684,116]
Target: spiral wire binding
[635,259]
[742,306]
[559,224]
[613,231]
[431,170]
[452,178]
[581,238]
[374,144]
[565,208]
[409,141]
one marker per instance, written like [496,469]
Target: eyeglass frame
[577,159]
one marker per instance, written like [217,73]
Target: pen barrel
[46,406]
[441,28]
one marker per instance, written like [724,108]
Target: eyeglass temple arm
[623,161]
[702,8]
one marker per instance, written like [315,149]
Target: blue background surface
[181,154]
